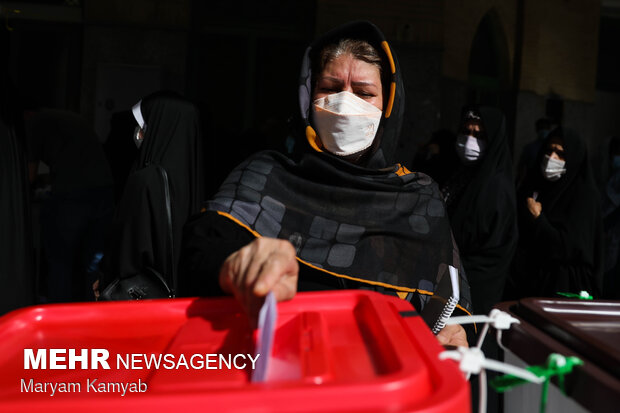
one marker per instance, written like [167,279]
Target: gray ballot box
[586,329]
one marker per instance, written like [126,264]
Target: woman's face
[473,128]
[555,149]
[348,74]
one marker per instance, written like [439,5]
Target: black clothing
[611,224]
[73,225]
[16,249]
[120,151]
[71,149]
[438,157]
[140,235]
[482,209]
[561,250]
[527,160]
[353,226]
[81,204]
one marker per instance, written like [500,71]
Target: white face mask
[138,136]
[469,149]
[345,123]
[138,133]
[552,169]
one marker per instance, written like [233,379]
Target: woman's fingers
[453,335]
[264,265]
[534,207]
[278,271]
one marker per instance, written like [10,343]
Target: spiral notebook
[443,302]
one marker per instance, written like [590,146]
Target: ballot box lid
[589,327]
[589,330]
[337,351]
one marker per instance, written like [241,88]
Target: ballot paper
[266,327]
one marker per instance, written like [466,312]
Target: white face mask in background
[552,169]
[138,134]
[345,123]
[469,149]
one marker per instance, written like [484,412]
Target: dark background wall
[238,60]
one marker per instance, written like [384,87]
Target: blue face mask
[615,162]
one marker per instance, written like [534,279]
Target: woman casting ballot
[338,213]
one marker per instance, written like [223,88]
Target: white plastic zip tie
[499,340]
[502,320]
[483,335]
[472,360]
[499,319]
[468,319]
[513,370]
[482,392]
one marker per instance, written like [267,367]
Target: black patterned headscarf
[381,227]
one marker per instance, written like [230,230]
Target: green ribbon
[557,365]
[583,295]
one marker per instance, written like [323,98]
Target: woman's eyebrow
[331,79]
[363,83]
[354,83]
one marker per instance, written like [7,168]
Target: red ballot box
[333,351]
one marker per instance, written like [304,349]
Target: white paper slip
[267,318]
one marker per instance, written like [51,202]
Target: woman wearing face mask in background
[164,188]
[339,213]
[480,197]
[560,227]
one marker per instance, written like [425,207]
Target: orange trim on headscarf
[464,310]
[388,52]
[313,139]
[402,170]
[236,221]
[376,283]
[390,104]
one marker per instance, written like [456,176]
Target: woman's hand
[264,265]
[453,335]
[534,207]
